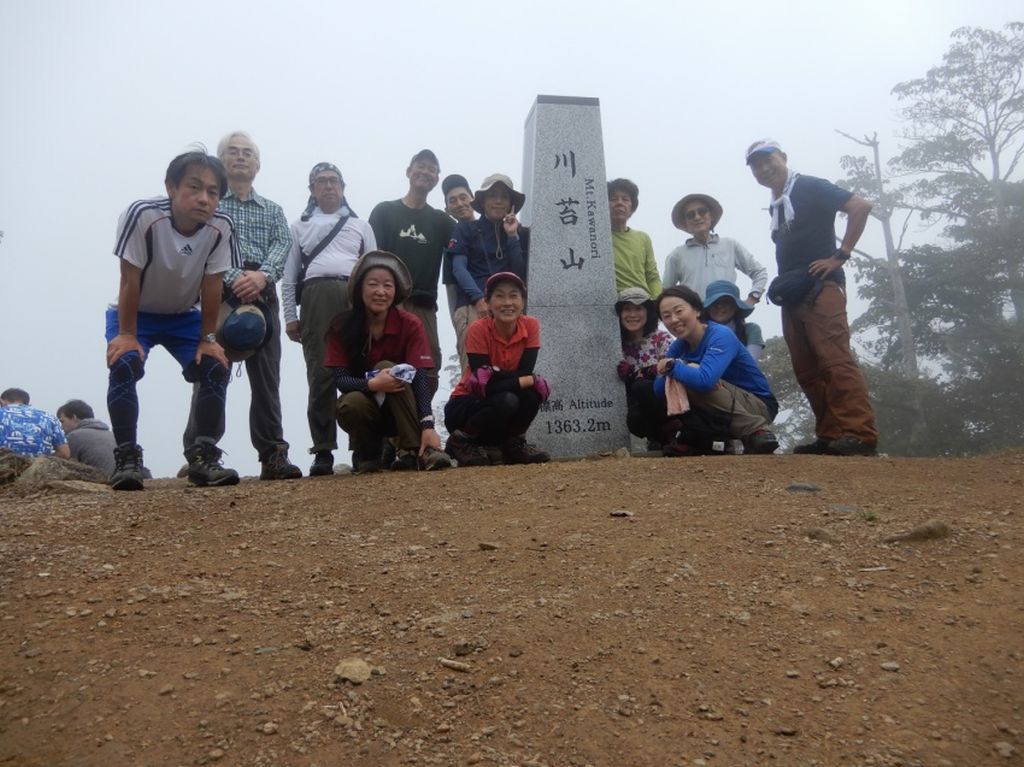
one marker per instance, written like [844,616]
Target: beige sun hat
[679,220]
[518,198]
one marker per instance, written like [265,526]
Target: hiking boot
[677,449]
[433,459]
[494,454]
[204,467]
[761,442]
[323,464]
[277,466]
[849,446]
[465,450]
[182,472]
[404,460]
[518,450]
[127,467]
[818,447]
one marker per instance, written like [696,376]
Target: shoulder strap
[308,259]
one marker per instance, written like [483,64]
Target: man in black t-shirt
[417,234]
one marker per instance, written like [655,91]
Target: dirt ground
[623,611]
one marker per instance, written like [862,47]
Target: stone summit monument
[571,278]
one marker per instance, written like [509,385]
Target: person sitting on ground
[26,430]
[90,440]
[635,266]
[480,248]
[720,377]
[499,394]
[722,304]
[643,344]
[364,345]
[706,257]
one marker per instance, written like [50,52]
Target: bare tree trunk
[901,309]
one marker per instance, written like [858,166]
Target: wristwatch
[210,338]
[842,255]
[756,295]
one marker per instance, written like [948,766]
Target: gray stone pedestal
[571,280]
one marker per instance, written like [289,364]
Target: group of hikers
[199,270]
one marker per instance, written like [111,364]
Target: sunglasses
[694,213]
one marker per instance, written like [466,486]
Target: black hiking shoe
[761,442]
[849,446]
[323,464]
[127,467]
[465,450]
[818,447]
[518,450]
[404,460]
[204,467]
[277,466]
[434,459]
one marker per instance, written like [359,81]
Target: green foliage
[966,121]
[965,293]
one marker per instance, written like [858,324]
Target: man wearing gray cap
[417,234]
[811,290]
[327,240]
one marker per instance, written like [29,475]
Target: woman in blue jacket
[716,371]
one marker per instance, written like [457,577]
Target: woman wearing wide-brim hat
[493,243]
[365,346]
[706,256]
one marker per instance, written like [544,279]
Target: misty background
[97,98]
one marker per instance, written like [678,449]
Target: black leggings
[646,412]
[491,420]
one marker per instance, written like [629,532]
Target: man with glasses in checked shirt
[264,239]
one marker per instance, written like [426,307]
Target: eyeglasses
[694,213]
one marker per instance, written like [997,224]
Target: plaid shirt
[262,232]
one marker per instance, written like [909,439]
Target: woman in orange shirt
[499,394]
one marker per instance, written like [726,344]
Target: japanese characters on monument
[571,279]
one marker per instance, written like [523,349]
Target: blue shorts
[177,333]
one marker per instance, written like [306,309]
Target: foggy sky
[97,98]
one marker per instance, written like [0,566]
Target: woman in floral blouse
[643,344]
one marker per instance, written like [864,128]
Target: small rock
[167,689]
[819,534]
[354,670]
[621,513]
[793,674]
[785,730]
[1004,749]
[463,647]
[488,546]
[891,665]
[455,665]
[845,508]
[268,728]
[216,754]
[929,531]
[803,487]
[836,662]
